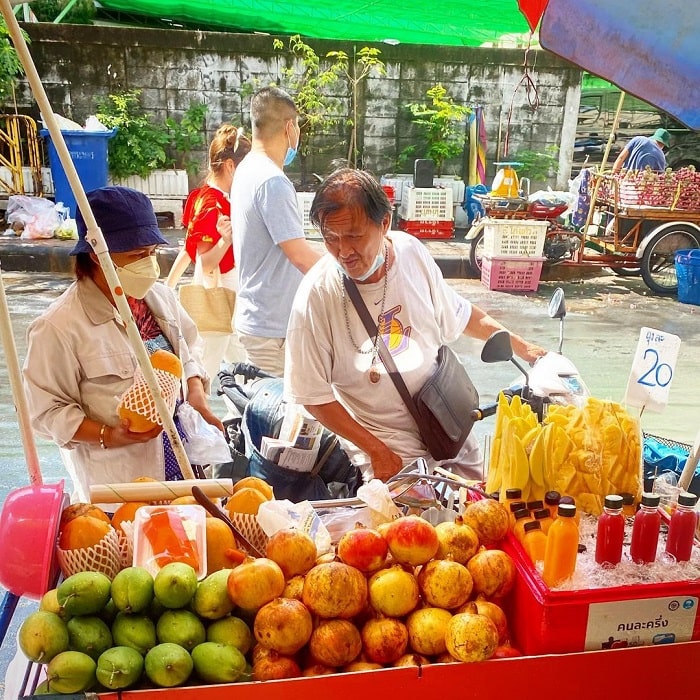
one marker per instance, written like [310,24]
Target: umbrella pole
[613,131]
[18,395]
[95,237]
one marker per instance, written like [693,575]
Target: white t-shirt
[322,364]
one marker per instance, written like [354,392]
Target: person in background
[207,218]
[80,361]
[333,367]
[643,151]
[271,251]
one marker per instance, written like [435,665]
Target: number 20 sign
[654,362]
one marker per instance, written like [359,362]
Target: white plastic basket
[510,237]
[426,204]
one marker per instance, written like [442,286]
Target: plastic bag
[40,217]
[280,514]
[203,443]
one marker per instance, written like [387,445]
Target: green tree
[187,135]
[82,12]
[438,122]
[10,66]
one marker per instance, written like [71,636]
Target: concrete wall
[175,68]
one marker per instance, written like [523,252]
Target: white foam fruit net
[104,557]
[126,543]
[137,397]
[251,530]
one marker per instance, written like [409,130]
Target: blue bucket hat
[126,218]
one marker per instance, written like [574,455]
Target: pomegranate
[506,651]
[411,540]
[254,583]
[411,660]
[283,625]
[293,550]
[294,587]
[489,519]
[493,572]
[274,666]
[426,630]
[317,670]
[495,613]
[335,643]
[445,658]
[456,539]
[334,589]
[470,637]
[361,666]
[363,548]
[445,583]
[393,591]
[384,639]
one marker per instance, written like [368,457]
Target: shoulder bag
[209,304]
[442,407]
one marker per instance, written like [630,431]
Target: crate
[543,621]
[304,200]
[428,229]
[522,237]
[426,204]
[398,181]
[688,275]
[511,273]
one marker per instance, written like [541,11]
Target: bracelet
[102,436]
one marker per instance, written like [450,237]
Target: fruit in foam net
[139,423]
[293,550]
[76,509]
[256,483]
[445,583]
[364,548]
[335,589]
[284,625]
[471,638]
[246,501]
[83,532]
[393,591]
[335,643]
[493,572]
[411,539]
[126,512]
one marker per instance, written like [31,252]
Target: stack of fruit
[409,593]
[588,452]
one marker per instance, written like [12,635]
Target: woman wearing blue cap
[80,361]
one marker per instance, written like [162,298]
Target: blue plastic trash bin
[688,275]
[88,151]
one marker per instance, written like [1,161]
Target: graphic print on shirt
[395,335]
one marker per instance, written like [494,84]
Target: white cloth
[80,361]
[322,365]
[265,214]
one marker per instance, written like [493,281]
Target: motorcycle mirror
[498,348]
[557,304]
[557,309]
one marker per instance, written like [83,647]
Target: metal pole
[95,237]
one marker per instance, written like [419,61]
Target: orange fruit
[126,513]
[76,509]
[163,360]
[82,532]
[253,482]
[220,539]
[245,500]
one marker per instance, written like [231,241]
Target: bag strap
[384,354]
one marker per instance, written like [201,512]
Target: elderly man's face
[354,240]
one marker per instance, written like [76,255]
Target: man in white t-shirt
[270,250]
[333,368]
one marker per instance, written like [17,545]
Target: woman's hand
[120,435]
[224,228]
[197,398]
[385,463]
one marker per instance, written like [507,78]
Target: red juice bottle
[681,529]
[611,532]
[645,530]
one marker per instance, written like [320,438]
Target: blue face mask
[291,152]
[378,262]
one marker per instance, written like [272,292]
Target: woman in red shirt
[207,217]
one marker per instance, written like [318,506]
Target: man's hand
[385,463]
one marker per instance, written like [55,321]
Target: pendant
[374,375]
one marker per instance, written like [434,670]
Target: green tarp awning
[465,23]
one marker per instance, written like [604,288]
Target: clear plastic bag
[39,217]
[203,443]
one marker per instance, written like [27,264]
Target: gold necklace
[374,375]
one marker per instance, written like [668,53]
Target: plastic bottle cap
[517,505]
[514,493]
[627,498]
[687,499]
[551,498]
[566,510]
[541,513]
[651,499]
[614,502]
[569,500]
[522,513]
[532,525]
[534,505]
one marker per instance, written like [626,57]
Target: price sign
[652,370]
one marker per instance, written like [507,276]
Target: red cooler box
[543,621]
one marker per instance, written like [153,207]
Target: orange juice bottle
[513,507]
[534,541]
[551,501]
[532,506]
[522,516]
[569,500]
[562,547]
[543,517]
[512,495]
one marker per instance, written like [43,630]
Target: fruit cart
[635,225]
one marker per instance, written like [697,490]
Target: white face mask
[139,276]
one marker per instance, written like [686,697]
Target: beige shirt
[79,363]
